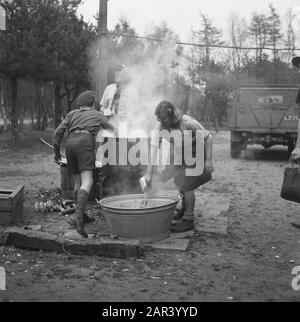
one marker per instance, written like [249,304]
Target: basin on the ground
[129,220]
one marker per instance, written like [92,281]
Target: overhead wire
[180,43]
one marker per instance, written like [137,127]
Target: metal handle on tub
[98,203]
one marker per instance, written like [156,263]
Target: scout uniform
[82,125]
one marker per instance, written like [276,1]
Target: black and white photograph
[149,154]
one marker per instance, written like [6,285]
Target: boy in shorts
[170,119]
[82,126]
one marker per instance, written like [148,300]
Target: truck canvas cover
[267,108]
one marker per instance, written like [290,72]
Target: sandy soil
[253,262]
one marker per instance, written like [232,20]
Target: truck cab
[263,114]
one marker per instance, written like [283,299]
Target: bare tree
[239,36]
[274,36]
[258,30]
[291,34]
[208,35]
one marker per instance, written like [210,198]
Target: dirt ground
[254,262]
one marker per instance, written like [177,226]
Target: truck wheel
[236,150]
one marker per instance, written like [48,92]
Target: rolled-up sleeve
[105,124]
[104,101]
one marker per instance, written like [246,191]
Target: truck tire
[236,150]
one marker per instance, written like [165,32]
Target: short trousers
[80,153]
[185,183]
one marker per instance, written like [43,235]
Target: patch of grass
[29,139]
[30,162]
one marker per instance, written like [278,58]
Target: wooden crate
[11,204]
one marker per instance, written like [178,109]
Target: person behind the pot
[82,125]
[171,119]
[126,100]
[109,99]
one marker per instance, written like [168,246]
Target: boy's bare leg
[187,222]
[77,221]
[77,185]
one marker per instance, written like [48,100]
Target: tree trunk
[206,111]
[69,101]
[21,117]
[57,106]
[14,111]
[187,100]
[32,113]
[4,104]
[200,108]
[38,105]
[275,67]
[217,124]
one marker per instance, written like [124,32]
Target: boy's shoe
[77,221]
[183,226]
[78,226]
[87,219]
[179,213]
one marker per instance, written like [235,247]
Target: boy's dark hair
[166,108]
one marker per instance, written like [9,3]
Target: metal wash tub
[128,221]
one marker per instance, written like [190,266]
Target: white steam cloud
[150,77]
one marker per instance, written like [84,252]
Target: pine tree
[274,31]
[258,31]
[208,35]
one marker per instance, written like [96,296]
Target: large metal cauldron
[120,179]
[129,220]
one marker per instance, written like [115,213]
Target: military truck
[264,115]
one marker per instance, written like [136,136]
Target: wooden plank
[18,191]
[42,241]
[29,241]
[6,190]
[107,249]
[4,194]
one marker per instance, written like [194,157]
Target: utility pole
[102,68]
[2,18]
